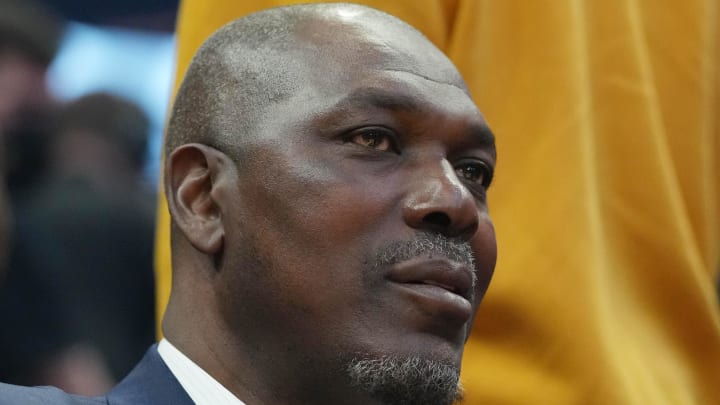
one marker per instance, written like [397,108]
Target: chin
[421,369]
[399,380]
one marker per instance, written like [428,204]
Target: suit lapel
[150,382]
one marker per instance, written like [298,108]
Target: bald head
[266,58]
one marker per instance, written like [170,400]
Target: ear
[193,173]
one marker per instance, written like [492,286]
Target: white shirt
[200,386]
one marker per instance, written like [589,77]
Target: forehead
[343,46]
[369,69]
[350,64]
[423,111]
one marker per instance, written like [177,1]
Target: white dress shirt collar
[200,386]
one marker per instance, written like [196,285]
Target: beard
[407,381]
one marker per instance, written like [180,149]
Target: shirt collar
[202,388]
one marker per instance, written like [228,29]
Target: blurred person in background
[29,38]
[83,236]
[76,302]
[101,140]
[30,35]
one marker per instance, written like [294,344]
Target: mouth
[448,287]
[437,272]
[438,284]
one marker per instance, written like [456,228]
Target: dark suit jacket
[149,383]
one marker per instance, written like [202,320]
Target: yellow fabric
[606,203]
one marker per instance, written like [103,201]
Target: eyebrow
[483,135]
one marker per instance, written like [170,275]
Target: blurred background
[84,88]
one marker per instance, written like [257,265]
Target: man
[326,174]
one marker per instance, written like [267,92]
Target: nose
[438,202]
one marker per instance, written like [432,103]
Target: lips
[440,273]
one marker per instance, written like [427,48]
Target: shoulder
[150,382]
[17,395]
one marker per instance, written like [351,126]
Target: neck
[259,376]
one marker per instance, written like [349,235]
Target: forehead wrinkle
[388,99]
[462,87]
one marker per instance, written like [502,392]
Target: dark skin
[273,283]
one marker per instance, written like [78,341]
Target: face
[359,225]
[22,86]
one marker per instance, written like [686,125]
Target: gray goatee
[408,381]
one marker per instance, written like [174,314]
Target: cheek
[307,234]
[316,200]
[313,224]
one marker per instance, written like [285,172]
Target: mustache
[427,245]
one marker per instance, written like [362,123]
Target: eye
[374,138]
[475,172]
